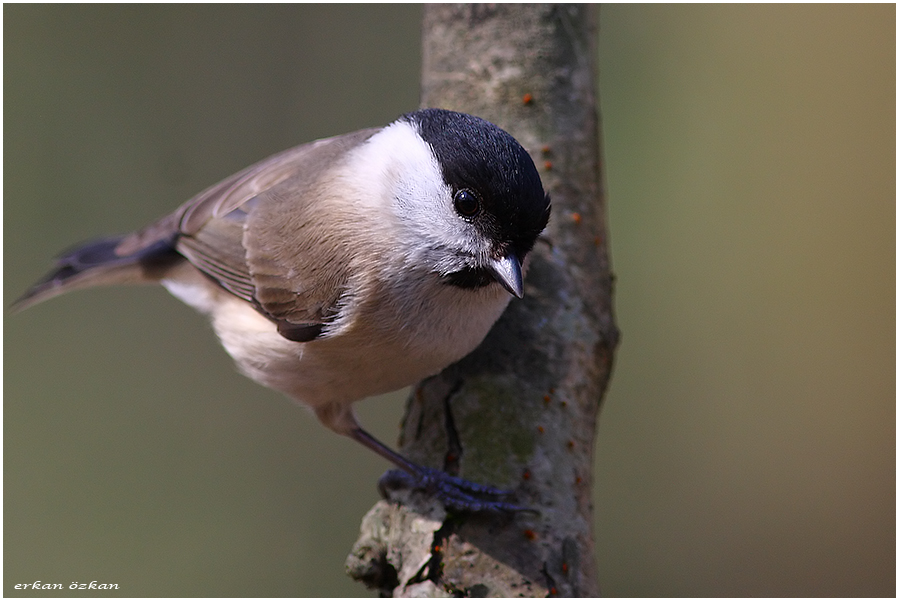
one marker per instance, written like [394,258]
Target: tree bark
[520,411]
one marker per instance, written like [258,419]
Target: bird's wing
[256,235]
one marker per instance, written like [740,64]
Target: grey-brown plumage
[209,232]
[346,267]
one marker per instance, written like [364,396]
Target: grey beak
[507,271]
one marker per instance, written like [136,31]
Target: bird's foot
[456,494]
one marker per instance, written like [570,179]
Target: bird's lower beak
[507,271]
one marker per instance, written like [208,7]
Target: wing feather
[236,231]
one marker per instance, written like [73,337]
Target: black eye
[466,203]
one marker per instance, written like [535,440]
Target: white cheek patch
[413,191]
[400,160]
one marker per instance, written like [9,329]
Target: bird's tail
[98,263]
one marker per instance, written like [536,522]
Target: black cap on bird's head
[496,188]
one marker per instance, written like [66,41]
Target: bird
[346,267]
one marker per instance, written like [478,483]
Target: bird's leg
[455,493]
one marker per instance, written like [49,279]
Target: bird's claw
[455,493]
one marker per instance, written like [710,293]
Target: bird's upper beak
[507,271]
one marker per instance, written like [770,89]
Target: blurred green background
[747,443]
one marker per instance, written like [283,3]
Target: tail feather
[96,263]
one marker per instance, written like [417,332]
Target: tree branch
[520,411]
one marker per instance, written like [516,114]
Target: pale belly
[362,358]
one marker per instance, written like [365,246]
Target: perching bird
[347,267]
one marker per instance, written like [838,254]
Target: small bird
[346,267]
